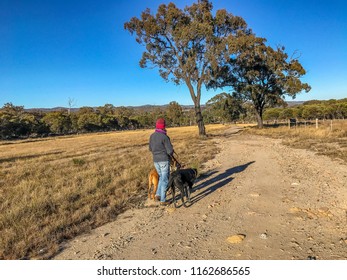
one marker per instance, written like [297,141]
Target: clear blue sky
[53,50]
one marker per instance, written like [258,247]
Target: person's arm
[168,146]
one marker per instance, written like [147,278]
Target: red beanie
[160,124]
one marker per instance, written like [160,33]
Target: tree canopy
[187,44]
[261,75]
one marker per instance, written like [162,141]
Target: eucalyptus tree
[186,45]
[272,114]
[58,122]
[174,113]
[225,107]
[261,75]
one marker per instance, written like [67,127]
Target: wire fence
[293,123]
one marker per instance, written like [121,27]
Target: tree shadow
[217,182]
[227,135]
[15,158]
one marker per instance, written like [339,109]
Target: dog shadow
[213,184]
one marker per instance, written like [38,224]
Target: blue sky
[55,50]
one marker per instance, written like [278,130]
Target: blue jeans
[163,169]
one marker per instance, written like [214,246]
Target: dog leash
[178,163]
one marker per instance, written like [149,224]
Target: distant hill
[294,103]
[146,107]
[51,109]
[139,108]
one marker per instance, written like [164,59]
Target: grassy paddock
[326,139]
[56,188]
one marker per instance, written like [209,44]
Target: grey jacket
[160,146]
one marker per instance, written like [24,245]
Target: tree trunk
[196,100]
[199,120]
[259,119]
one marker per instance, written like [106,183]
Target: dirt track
[286,203]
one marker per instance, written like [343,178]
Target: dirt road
[280,203]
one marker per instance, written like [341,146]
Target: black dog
[183,180]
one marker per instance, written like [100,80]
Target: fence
[294,123]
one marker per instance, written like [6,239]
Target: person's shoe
[157,198]
[164,203]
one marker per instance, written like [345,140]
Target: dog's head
[195,171]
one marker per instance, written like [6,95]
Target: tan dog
[153,178]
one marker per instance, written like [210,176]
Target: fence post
[316,123]
[331,125]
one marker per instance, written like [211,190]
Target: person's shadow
[217,182]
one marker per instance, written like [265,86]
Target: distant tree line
[310,110]
[16,122]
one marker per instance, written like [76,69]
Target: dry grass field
[56,188]
[328,139]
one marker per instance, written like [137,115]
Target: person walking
[162,150]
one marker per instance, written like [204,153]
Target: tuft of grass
[78,161]
[55,189]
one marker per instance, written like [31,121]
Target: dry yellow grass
[326,139]
[54,189]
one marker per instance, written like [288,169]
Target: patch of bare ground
[257,199]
